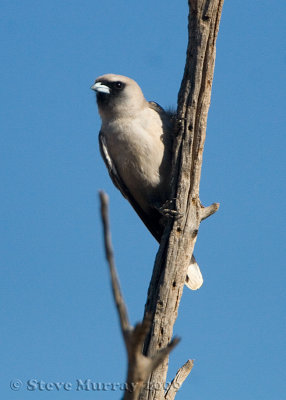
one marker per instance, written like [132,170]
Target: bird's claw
[168,210]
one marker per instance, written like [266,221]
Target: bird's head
[117,95]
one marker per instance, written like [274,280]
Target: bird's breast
[137,151]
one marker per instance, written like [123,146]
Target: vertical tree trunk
[174,255]
[166,286]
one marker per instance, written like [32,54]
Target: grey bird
[136,144]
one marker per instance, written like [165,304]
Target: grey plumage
[136,145]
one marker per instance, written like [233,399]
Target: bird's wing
[155,106]
[153,218]
[169,120]
[169,114]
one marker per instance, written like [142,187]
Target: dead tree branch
[179,379]
[166,286]
[139,366]
[147,370]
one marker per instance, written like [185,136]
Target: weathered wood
[179,379]
[139,366]
[166,286]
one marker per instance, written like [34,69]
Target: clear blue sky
[58,322]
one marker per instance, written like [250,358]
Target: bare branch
[162,354]
[208,211]
[139,366]
[178,241]
[179,379]
[119,301]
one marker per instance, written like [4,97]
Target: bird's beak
[100,88]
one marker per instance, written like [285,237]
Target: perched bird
[136,144]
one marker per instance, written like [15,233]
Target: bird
[135,142]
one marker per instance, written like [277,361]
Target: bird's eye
[118,85]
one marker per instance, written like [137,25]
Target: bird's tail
[194,278]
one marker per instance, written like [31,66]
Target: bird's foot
[168,210]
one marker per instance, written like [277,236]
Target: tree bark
[139,366]
[147,370]
[166,286]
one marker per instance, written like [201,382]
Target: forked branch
[178,241]
[139,366]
